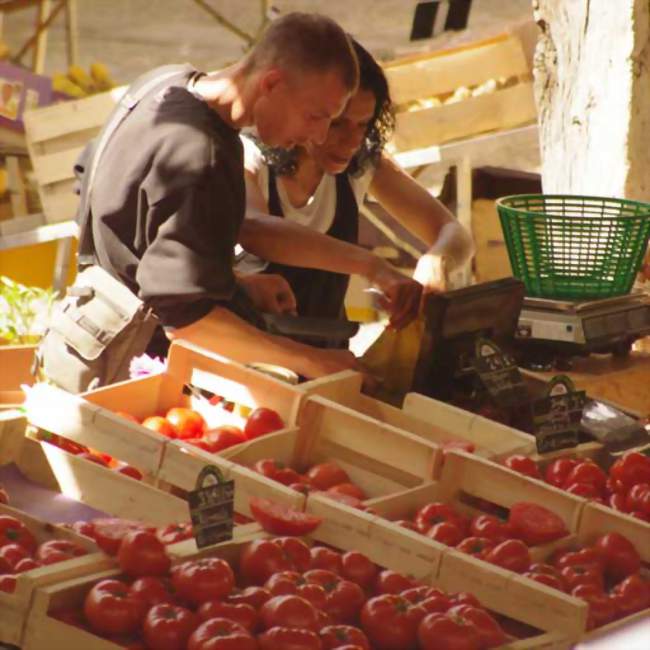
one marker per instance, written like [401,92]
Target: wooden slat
[56,167]
[59,201]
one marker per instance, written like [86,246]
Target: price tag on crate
[499,374]
[557,416]
[211,507]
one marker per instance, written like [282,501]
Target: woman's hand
[270,293]
[431,273]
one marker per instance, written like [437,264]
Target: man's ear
[270,80]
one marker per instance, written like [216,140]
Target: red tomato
[325,558]
[350,489]
[281,520]
[26,564]
[535,524]
[58,550]
[127,416]
[75,448]
[128,470]
[490,527]
[109,532]
[488,629]
[160,425]
[546,579]
[7,583]
[174,533]
[587,472]
[293,583]
[585,490]
[286,638]
[14,531]
[197,581]
[289,611]
[186,422]
[522,465]
[442,632]
[221,634]
[573,576]
[392,582]
[260,559]
[557,471]
[512,554]
[262,421]
[446,533]
[638,498]
[141,553]
[618,502]
[297,551]
[632,595]
[11,555]
[621,558]
[168,627]
[583,557]
[326,475]
[602,608]
[111,608]
[243,614]
[153,591]
[476,546]
[84,528]
[253,596]
[388,624]
[631,469]
[434,513]
[93,458]
[334,637]
[426,600]
[344,598]
[277,471]
[356,567]
[223,437]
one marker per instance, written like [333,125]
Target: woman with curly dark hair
[322,185]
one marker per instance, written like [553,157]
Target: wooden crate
[415,81]
[16,363]
[83,480]
[427,418]
[14,607]
[55,137]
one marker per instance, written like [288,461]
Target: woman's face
[345,134]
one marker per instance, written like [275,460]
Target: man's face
[299,110]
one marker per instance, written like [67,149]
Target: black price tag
[211,507]
[499,374]
[556,417]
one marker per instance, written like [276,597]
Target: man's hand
[431,273]
[401,295]
[270,293]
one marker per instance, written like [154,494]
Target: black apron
[320,294]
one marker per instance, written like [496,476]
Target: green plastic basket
[574,247]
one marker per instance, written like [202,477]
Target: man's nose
[319,133]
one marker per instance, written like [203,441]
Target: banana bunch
[78,83]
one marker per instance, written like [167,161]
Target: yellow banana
[62,84]
[101,76]
[81,78]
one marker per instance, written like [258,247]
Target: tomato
[388,624]
[638,498]
[160,425]
[111,608]
[587,472]
[350,489]
[344,598]
[221,634]
[26,564]
[94,458]
[73,447]
[392,582]
[109,532]
[173,533]
[280,519]
[535,524]
[141,553]
[197,581]
[585,490]
[621,558]
[128,470]
[356,567]
[7,583]
[426,600]
[602,608]
[13,531]
[10,556]
[127,416]
[186,422]
[297,551]
[253,596]
[512,554]
[632,595]
[488,629]
[243,614]
[576,575]
[58,550]
[84,528]
[325,558]
[326,475]
[546,579]
[405,523]
[541,567]
[476,546]
[442,632]
[631,469]
[434,513]
[262,421]
[618,502]
[4,497]
[286,638]
[153,591]
[168,627]
[557,471]
[583,557]
[336,636]
[490,527]
[522,465]
[223,437]
[289,611]
[261,559]
[446,533]
[277,471]
[292,582]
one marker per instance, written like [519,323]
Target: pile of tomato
[284,595]
[626,487]
[20,551]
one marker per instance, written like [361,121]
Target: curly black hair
[371,77]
